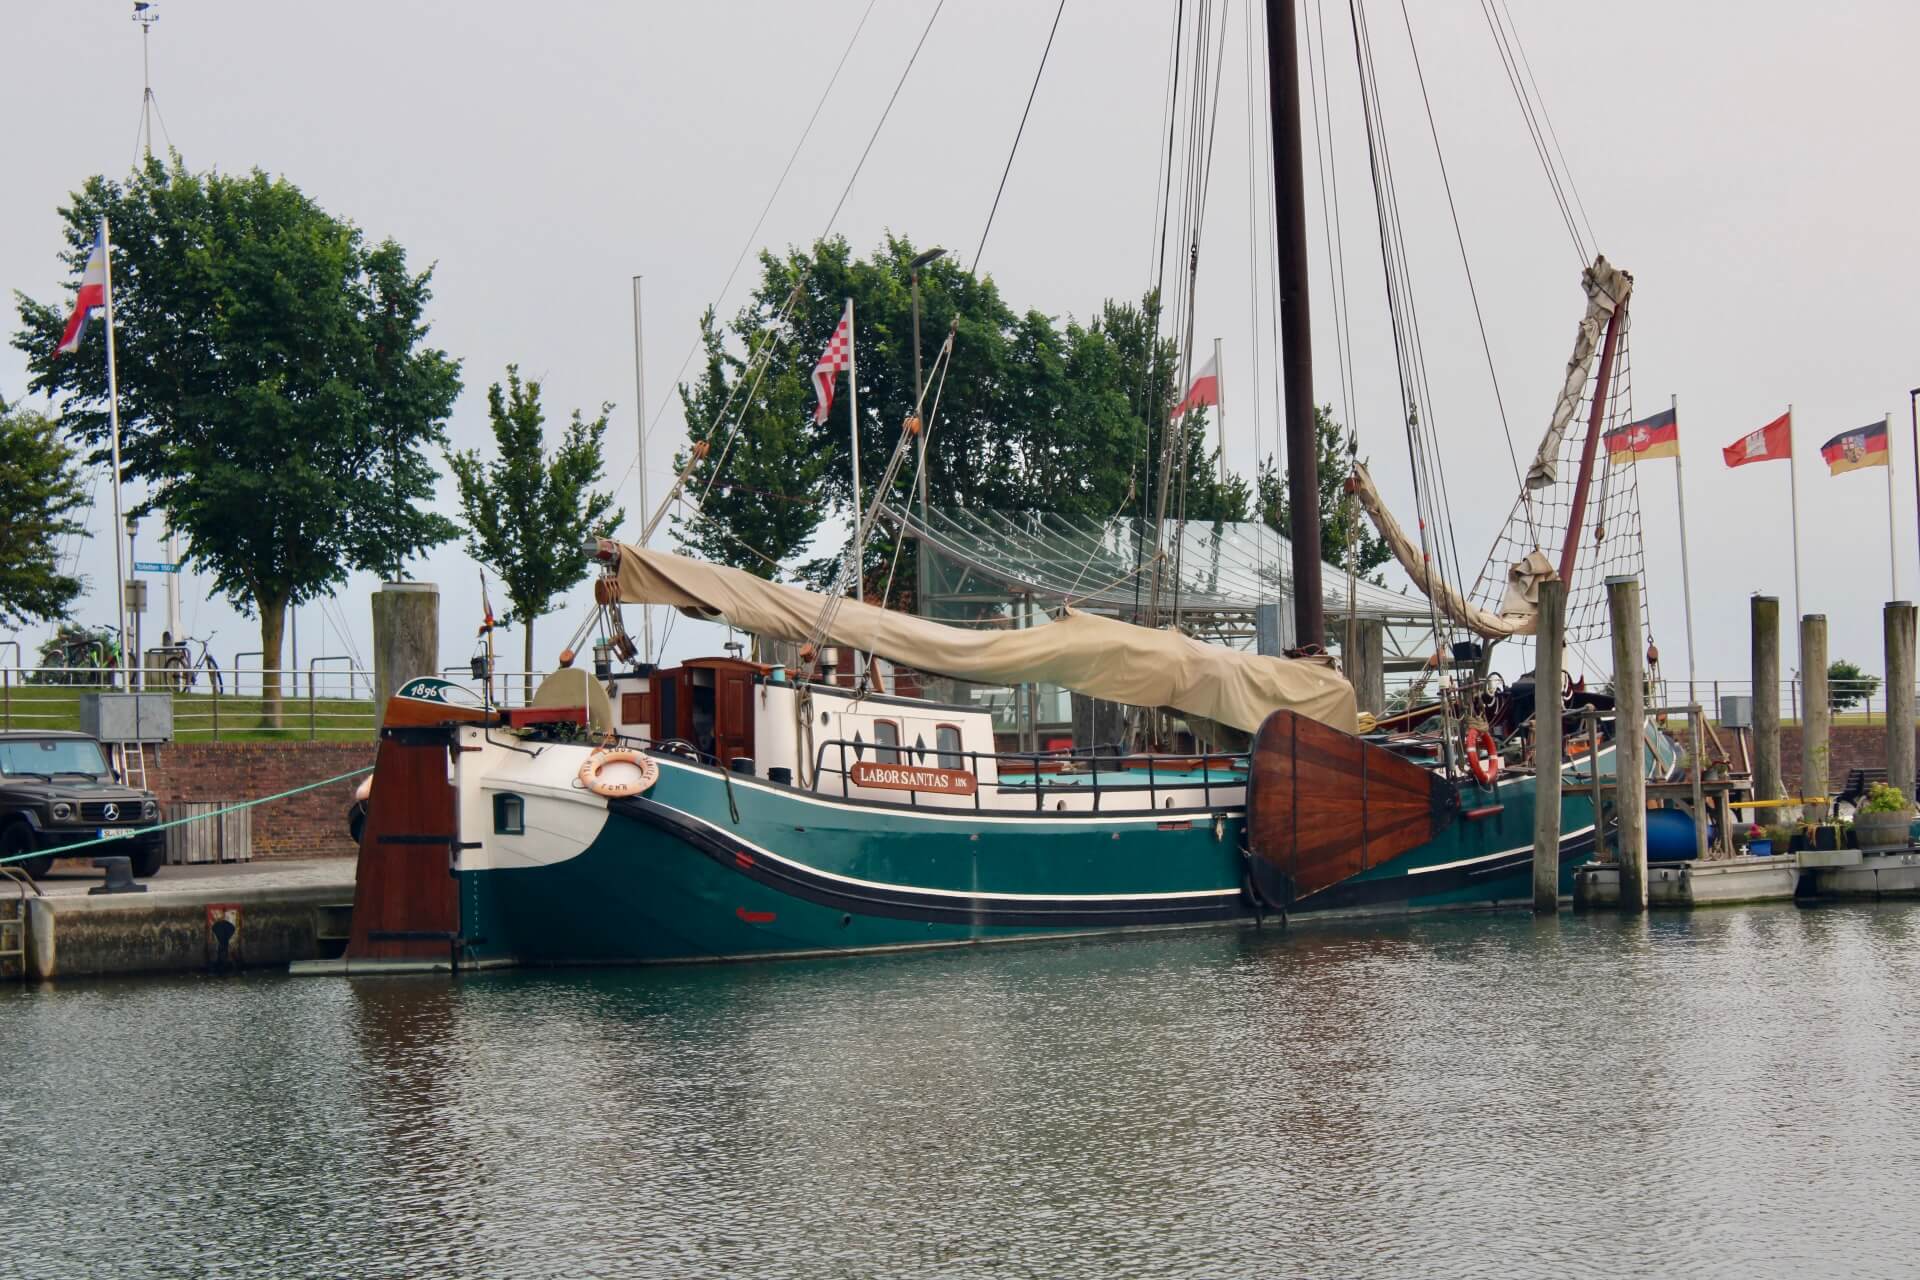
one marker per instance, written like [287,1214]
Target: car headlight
[151,809]
[62,811]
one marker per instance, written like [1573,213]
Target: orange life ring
[1483,756]
[590,773]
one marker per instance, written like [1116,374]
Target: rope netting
[1610,538]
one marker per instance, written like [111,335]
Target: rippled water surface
[1728,1093]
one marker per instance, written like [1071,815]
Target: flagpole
[113,419]
[1793,492]
[1220,410]
[853,429]
[640,465]
[1893,551]
[1686,573]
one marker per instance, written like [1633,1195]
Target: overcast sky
[1751,164]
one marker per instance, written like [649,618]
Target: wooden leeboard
[1323,805]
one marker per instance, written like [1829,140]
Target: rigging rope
[1017,135]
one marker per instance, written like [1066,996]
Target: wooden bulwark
[1323,806]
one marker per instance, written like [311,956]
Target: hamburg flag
[93,293]
[1851,450]
[1205,389]
[837,356]
[1655,437]
[1769,444]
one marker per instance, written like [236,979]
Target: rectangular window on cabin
[886,741]
[947,739]
[509,815]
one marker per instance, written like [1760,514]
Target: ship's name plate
[901,777]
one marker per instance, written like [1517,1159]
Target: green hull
[706,868]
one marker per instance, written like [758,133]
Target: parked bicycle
[180,668]
[79,655]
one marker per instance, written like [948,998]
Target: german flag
[1852,450]
[1655,437]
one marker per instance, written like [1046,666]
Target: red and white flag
[837,356]
[1205,388]
[93,293]
[1770,443]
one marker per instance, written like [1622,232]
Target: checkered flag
[837,356]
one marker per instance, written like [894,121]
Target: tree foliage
[1345,535]
[1033,414]
[275,392]
[528,513]
[1848,685]
[40,489]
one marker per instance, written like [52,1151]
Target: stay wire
[1017,135]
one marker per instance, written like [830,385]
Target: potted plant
[1882,820]
[1754,840]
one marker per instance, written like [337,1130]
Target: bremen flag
[93,293]
[1655,437]
[837,356]
[1205,389]
[1851,450]
[1769,443]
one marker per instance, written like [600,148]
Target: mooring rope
[64,851]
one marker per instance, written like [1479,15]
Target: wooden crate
[226,838]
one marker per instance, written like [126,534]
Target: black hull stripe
[1368,893]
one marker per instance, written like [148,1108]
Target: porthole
[509,815]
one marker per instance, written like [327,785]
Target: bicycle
[180,669]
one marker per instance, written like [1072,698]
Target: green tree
[529,513]
[40,490]
[1032,414]
[1848,685]
[1345,535]
[275,392]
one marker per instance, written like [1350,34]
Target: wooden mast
[1296,332]
[1570,551]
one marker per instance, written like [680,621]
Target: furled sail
[1519,605]
[1607,287]
[1097,656]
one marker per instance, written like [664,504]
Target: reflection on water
[1720,1093]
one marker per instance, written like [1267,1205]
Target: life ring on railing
[1483,756]
[590,773]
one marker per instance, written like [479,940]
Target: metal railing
[1861,701]
[1164,773]
[336,703]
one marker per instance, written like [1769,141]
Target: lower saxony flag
[1655,437]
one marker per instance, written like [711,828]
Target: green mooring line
[65,850]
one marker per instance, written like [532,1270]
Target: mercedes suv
[56,789]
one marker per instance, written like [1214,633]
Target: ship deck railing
[1050,774]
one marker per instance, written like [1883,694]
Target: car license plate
[112,833]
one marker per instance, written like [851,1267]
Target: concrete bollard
[406,638]
[1899,619]
[1766,698]
[1629,739]
[1547,665]
[1816,715]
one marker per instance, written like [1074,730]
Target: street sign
[136,596]
[154,566]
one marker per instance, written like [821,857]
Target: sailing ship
[726,809]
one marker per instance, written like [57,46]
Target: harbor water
[1719,1093]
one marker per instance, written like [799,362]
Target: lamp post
[920,557]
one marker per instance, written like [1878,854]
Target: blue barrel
[1670,836]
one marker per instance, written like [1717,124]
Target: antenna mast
[146,14]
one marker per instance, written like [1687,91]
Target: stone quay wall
[312,824]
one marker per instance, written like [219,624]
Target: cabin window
[886,741]
[509,815]
[947,739]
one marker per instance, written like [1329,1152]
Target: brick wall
[1849,746]
[312,824]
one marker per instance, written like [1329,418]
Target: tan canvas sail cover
[1607,287]
[1519,603]
[1097,656]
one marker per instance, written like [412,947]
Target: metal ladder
[133,764]
[13,920]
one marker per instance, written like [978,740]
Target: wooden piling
[1629,739]
[1900,619]
[1365,661]
[1816,715]
[406,638]
[1547,665]
[1765,612]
